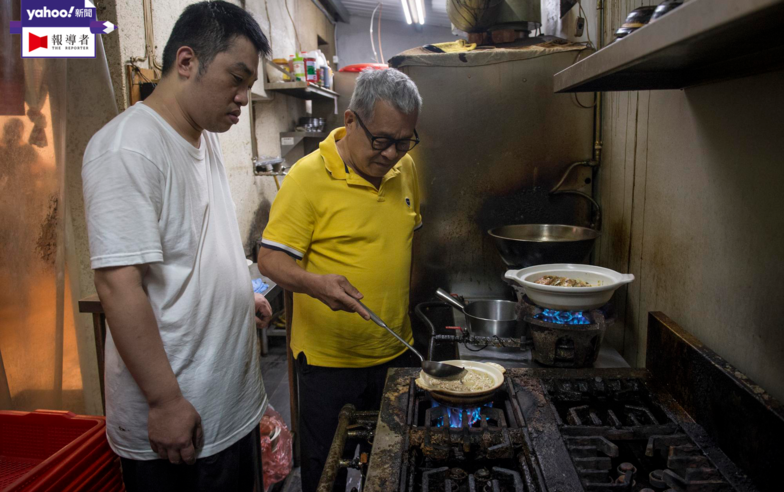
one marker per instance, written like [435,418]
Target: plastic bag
[276,453]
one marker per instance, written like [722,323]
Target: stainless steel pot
[527,245]
[488,318]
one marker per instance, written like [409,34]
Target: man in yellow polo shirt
[341,229]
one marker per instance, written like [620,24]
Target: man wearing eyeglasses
[341,229]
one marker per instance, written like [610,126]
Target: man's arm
[174,426]
[333,290]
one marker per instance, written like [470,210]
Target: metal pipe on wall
[597,145]
[149,39]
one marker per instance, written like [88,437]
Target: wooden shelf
[700,42]
[300,89]
[289,140]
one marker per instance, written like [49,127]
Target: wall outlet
[578,31]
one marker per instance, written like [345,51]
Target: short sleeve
[417,197]
[292,220]
[123,198]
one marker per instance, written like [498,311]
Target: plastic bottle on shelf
[322,64]
[314,54]
[310,68]
[299,66]
[291,67]
[275,75]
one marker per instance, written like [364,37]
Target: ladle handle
[380,322]
[445,296]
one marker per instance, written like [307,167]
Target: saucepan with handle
[488,318]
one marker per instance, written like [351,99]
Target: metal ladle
[432,368]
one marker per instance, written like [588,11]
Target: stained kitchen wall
[689,184]
[396,37]
[94,101]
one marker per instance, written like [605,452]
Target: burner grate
[481,449]
[619,439]
[494,479]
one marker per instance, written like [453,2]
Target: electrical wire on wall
[372,43]
[380,49]
[269,25]
[588,44]
[575,99]
[587,26]
[294,24]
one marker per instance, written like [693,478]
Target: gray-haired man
[341,229]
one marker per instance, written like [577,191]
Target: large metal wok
[525,245]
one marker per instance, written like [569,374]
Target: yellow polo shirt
[332,220]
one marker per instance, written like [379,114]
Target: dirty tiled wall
[689,186]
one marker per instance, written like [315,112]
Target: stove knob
[656,477]
[626,467]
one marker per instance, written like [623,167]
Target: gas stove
[689,423]
[549,338]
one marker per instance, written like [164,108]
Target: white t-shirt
[152,198]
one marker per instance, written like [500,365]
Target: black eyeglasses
[383,143]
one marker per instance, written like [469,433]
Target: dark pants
[236,468]
[322,393]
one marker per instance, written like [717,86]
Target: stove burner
[565,338]
[563,317]
[458,474]
[483,480]
[454,416]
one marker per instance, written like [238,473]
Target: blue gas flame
[563,317]
[456,415]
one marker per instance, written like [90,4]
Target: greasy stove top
[550,429]
[569,430]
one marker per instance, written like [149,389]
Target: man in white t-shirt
[184,393]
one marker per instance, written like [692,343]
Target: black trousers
[322,393]
[236,468]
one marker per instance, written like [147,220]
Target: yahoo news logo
[46,12]
[59,28]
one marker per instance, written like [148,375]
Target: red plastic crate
[76,469]
[116,485]
[107,477]
[31,443]
[89,474]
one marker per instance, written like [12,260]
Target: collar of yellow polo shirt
[333,221]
